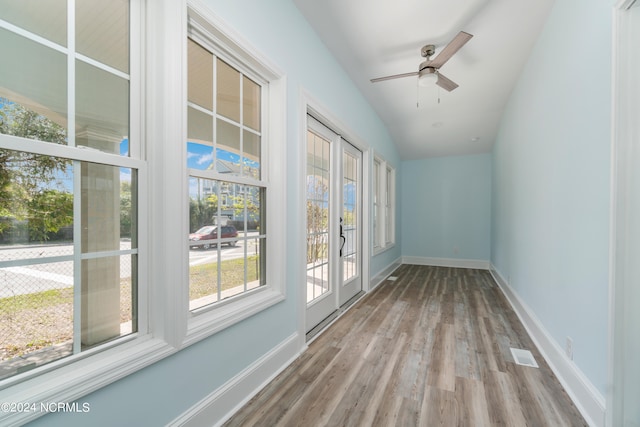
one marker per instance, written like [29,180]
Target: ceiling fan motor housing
[425,68]
[427,50]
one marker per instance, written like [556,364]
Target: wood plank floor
[430,349]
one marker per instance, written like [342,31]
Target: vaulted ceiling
[375,38]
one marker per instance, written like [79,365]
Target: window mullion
[215,112]
[246,240]
[218,245]
[242,172]
[71,73]
[77,257]
[77,178]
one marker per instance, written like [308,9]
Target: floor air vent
[523,357]
[392,278]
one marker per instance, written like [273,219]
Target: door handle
[342,238]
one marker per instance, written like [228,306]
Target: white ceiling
[375,38]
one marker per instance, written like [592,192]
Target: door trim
[622,273]
[344,164]
[308,104]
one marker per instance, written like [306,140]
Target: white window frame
[385,205]
[204,27]
[72,377]
[158,114]
[389,202]
[377,214]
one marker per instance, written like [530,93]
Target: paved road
[25,279]
[203,256]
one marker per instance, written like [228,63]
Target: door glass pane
[102,110]
[318,189]
[46,18]
[102,31]
[350,214]
[33,90]
[228,91]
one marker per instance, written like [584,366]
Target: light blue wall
[161,392]
[550,227]
[297,50]
[446,207]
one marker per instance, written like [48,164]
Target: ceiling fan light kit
[429,70]
[427,77]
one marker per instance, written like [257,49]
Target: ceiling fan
[430,68]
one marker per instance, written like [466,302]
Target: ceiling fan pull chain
[417,94]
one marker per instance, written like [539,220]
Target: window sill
[207,322]
[382,249]
[77,379]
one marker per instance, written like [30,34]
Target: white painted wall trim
[447,262]
[624,249]
[221,404]
[582,392]
[382,275]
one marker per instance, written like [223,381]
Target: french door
[334,226]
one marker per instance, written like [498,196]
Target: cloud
[206,158]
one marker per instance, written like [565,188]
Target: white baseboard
[447,262]
[386,272]
[585,396]
[221,404]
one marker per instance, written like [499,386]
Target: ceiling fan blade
[446,83]
[395,76]
[450,49]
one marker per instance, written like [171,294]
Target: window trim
[389,204]
[204,26]
[72,377]
[377,166]
[162,164]
[385,235]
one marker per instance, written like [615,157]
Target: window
[76,215]
[224,150]
[376,204]
[389,202]
[383,205]
[235,154]
[68,215]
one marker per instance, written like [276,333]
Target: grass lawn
[203,278]
[33,321]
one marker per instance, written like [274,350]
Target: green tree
[202,211]
[252,203]
[48,211]
[126,214]
[27,180]
[317,220]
